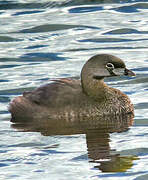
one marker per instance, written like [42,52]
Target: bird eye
[109,66]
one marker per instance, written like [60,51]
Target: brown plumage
[76,99]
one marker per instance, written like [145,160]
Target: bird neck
[94,88]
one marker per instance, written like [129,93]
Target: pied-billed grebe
[71,99]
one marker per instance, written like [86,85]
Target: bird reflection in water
[97,130]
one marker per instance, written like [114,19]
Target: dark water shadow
[33,57]
[133,8]
[85,9]
[6,5]
[130,8]
[9,39]
[120,47]
[110,40]
[27,12]
[124,31]
[43,57]
[53,27]
[14,5]
[97,130]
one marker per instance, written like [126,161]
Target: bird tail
[20,109]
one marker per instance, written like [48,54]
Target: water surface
[51,39]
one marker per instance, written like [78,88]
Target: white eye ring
[110,66]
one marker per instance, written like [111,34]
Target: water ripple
[85,9]
[32,57]
[8,39]
[26,12]
[41,40]
[111,40]
[132,8]
[12,5]
[125,31]
[53,27]
[141,106]
[43,57]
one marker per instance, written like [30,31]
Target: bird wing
[57,93]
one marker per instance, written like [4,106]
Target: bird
[76,99]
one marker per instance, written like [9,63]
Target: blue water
[50,39]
